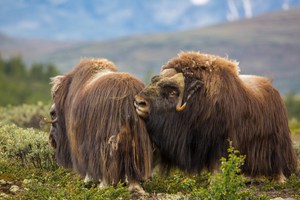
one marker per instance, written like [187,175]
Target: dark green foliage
[26,115]
[228,183]
[175,182]
[20,85]
[297,148]
[29,146]
[292,102]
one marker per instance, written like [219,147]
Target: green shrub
[26,116]
[29,146]
[176,182]
[292,102]
[297,148]
[228,183]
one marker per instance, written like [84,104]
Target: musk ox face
[164,94]
[54,127]
[58,138]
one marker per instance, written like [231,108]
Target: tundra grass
[60,183]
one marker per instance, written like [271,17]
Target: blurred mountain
[267,45]
[30,49]
[102,19]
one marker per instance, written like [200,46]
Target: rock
[162,196]
[3,195]
[26,181]
[14,189]
[2,182]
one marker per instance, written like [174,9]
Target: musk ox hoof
[87,179]
[136,188]
[103,184]
[279,178]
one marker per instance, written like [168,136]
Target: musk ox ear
[56,83]
[193,87]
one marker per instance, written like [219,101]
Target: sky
[102,19]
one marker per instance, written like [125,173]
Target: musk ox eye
[169,92]
[53,114]
[173,94]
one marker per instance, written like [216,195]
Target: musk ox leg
[279,178]
[87,179]
[134,186]
[103,184]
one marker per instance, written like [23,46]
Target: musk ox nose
[140,102]
[141,106]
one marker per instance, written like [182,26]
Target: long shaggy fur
[222,105]
[101,132]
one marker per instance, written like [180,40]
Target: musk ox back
[102,134]
[199,101]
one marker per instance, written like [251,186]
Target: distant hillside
[268,45]
[30,49]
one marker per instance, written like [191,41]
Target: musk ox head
[183,76]
[199,101]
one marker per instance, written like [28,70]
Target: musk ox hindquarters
[63,90]
[100,130]
[199,101]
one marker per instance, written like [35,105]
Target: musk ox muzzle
[141,106]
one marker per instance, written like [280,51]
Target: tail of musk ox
[219,104]
[107,139]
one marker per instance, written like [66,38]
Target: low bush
[29,146]
[228,183]
[26,115]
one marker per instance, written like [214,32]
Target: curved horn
[179,78]
[168,72]
[180,108]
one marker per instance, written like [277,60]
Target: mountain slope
[30,49]
[268,45]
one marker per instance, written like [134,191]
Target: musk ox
[199,101]
[95,129]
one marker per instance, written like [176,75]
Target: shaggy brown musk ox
[199,101]
[95,128]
